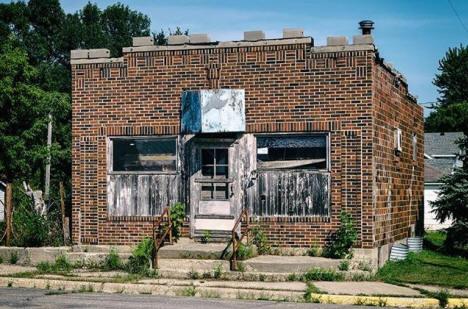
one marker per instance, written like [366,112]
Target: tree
[451,83]
[452,118]
[452,202]
[453,78]
[24,110]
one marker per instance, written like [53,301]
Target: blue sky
[412,34]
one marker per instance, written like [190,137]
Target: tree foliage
[452,202]
[35,80]
[450,113]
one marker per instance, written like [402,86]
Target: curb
[217,292]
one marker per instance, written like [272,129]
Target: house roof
[442,154]
[432,174]
[441,143]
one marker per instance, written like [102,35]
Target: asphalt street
[32,298]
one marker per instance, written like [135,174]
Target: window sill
[214,180]
[144,173]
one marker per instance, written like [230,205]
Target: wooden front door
[212,193]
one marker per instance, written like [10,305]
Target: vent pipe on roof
[366,26]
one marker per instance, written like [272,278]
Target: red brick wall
[288,88]
[396,207]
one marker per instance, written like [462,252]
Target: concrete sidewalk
[335,292]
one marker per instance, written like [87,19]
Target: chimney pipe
[366,26]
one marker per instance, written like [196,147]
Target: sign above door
[213,111]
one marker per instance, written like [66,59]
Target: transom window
[215,171]
[292,152]
[143,154]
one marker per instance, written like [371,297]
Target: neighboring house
[2,201]
[295,132]
[441,156]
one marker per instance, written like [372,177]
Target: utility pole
[47,169]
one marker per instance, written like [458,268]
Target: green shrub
[344,265]
[112,261]
[292,277]
[261,241]
[177,218]
[321,274]
[13,259]
[343,239]
[244,252]
[137,265]
[142,257]
[1,259]
[32,229]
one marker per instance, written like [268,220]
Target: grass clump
[86,289]
[112,261]
[206,237]
[61,265]
[13,259]
[344,265]
[322,274]
[218,272]
[427,267]
[442,296]
[190,291]
[1,259]
[308,295]
[315,251]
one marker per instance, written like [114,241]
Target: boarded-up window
[150,154]
[292,152]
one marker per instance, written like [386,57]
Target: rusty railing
[158,241]
[236,242]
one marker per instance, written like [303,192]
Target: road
[31,298]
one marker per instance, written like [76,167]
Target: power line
[458,16]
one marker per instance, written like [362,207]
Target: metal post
[47,169]
[234,251]
[8,213]
[62,208]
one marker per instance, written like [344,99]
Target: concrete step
[222,236]
[289,264]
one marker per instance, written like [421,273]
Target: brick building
[295,132]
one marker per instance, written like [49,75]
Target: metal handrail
[236,242]
[159,241]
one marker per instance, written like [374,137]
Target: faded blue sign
[213,111]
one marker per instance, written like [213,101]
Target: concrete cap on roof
[178,39]
[89,53]
[292,33]
[255,35]
[143,41]
[363,39]
[337,40]
[199,38]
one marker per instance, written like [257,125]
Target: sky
[412,34]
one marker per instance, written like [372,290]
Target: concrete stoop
[279,291]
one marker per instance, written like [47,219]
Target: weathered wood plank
[296,193]
[142,195]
